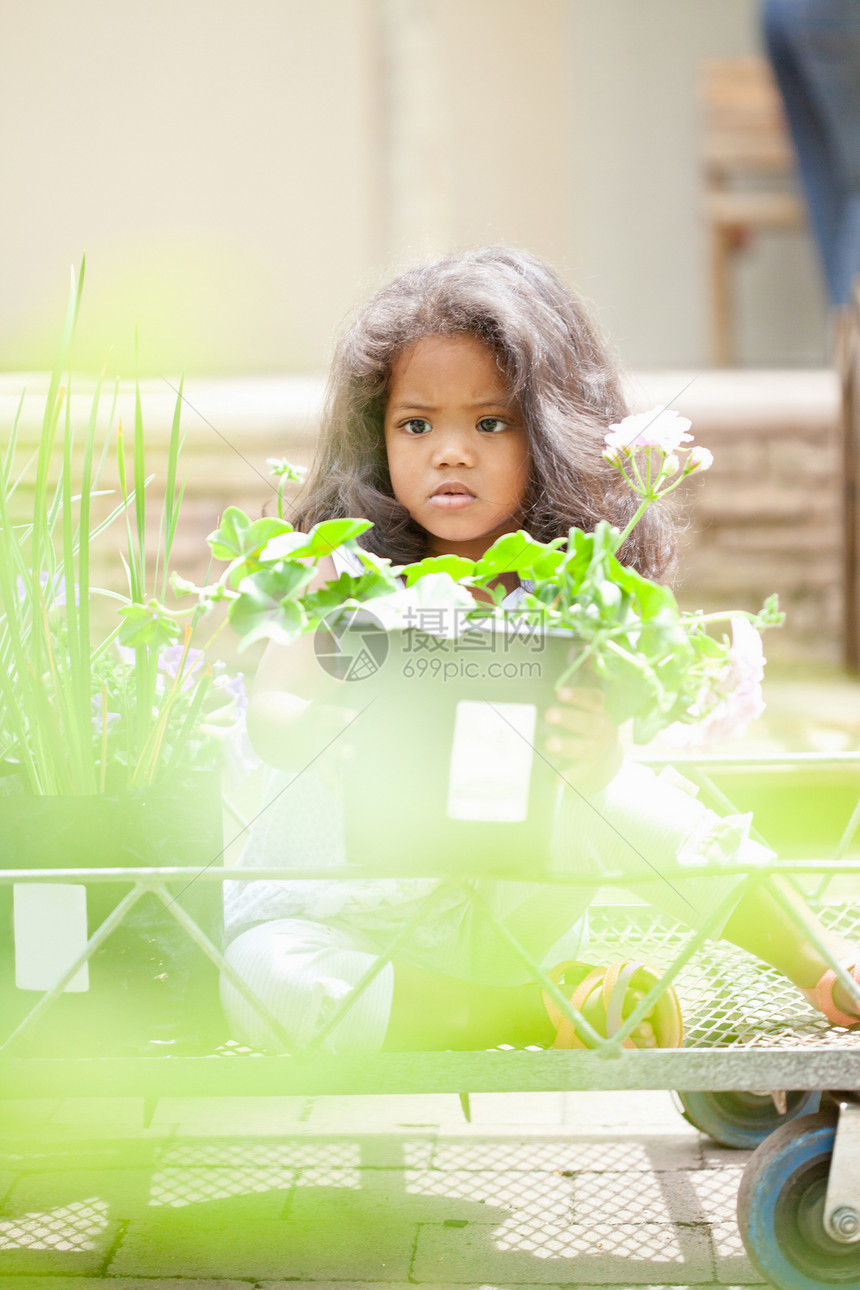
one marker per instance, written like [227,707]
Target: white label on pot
[491,761]
[50,930]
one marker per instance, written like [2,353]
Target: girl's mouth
[452,497]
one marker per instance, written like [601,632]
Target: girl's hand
[583,743]
[290,732]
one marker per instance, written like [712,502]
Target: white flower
[699,459]
[659,428]
[280,466]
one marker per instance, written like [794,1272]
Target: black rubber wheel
[781,1209]
[743,1119]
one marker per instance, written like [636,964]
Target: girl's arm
[295,708]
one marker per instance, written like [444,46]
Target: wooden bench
[747,163]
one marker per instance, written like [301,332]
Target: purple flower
[171,659]
[55,593]
[234,686]
[113,718]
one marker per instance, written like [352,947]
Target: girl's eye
[416,425]
[492,425]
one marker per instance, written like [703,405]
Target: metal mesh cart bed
[759,1067]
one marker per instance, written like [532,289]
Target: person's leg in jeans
[814,48]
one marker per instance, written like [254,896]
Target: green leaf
[455,566]
[547,565]
[514,553]
[240,537]
[286,546]
[258,615]
[229,539]
[605,538]
[147,625]
[770,614]
[321,541]
[369,585]
[330,534]
[703,644]
[277,582]
[652,598]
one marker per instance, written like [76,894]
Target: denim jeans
[814,48]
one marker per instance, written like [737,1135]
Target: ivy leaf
[651,597]
[605,538]
[576,562]
[514,553]
[547,564]
[704,645]
[257,614]
[228,540]
[770,614]
[329,534]
[455,566]
[150,624]
[286,546]
[238,536]
[278,582]
[323,538]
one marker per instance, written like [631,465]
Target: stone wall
[767,517]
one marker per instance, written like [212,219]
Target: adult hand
[583,742]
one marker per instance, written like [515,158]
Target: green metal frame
[807,1054]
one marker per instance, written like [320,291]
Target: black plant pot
[450,771]
[148,988]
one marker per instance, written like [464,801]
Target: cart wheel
[781,1209]
[742,1119]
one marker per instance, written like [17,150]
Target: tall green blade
[139,486]
[87,489]
[172,499]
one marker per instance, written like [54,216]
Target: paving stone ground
[543,1189]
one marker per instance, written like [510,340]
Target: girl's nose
[452,448]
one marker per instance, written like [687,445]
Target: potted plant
[108,742]
[584,617]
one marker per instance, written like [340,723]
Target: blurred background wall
[240,175]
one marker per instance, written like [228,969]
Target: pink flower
[736,695]
[659,428]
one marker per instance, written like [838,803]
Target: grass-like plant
[93,701]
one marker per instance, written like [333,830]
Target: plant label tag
[50,931]
[491,761]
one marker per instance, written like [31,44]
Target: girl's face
[458,455]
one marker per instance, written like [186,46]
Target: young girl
[469,399]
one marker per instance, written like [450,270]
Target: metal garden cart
[759,1068]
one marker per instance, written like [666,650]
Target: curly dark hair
[557,366]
